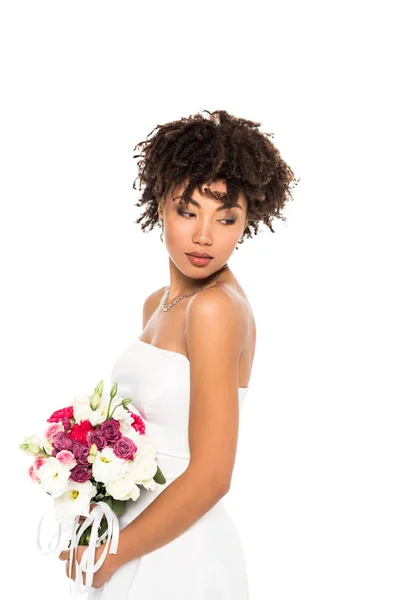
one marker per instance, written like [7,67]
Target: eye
[184,213]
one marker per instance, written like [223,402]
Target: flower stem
[114,409]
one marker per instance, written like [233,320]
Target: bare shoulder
[215,322]
[151,303]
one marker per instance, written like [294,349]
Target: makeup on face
[230,220]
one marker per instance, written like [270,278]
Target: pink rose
[32,474]
[66,458]
[62,441]
[81,452]
[38,462]
[52,429]
[66,424]
[124,448]
[80,474]
[110,430]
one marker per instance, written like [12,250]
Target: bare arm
[214,339]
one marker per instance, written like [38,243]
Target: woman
[209,182]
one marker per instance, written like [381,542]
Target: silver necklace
[166,306]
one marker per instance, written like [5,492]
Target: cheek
[230,240]
[232,233]
[178,231]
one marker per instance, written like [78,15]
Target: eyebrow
[224,207]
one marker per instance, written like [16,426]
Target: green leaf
[84,539]
[159,477]
[108,500]
[126,402]
[119,507]
[103,527]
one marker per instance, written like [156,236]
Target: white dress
[206,562]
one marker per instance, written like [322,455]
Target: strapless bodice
[158,383]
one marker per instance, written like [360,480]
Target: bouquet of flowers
[94,451]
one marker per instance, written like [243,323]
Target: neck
[181,284]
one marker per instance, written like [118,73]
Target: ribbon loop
[87,564]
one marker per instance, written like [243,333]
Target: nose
[202,234]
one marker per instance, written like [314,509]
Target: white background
[315,493]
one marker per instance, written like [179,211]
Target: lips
[199,254]
[199,261]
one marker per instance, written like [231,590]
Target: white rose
[146,448]
[149,484]
[143,469]
[81,406]
[124,488]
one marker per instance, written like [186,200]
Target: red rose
[63,413]
[79,431]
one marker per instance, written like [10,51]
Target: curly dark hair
[201,149]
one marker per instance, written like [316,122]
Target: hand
[100,577]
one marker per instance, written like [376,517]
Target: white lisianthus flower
[124,418]
[106,466]
[120,413]
[74,501]
[84,412]
[53,477]
[125,487]
[98,416]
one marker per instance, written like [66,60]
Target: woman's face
[203,225]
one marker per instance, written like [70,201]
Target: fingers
[67,570]
[73,574]
[64,555]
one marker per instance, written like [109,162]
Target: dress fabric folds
[207,561]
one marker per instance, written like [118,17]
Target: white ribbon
[86,565]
